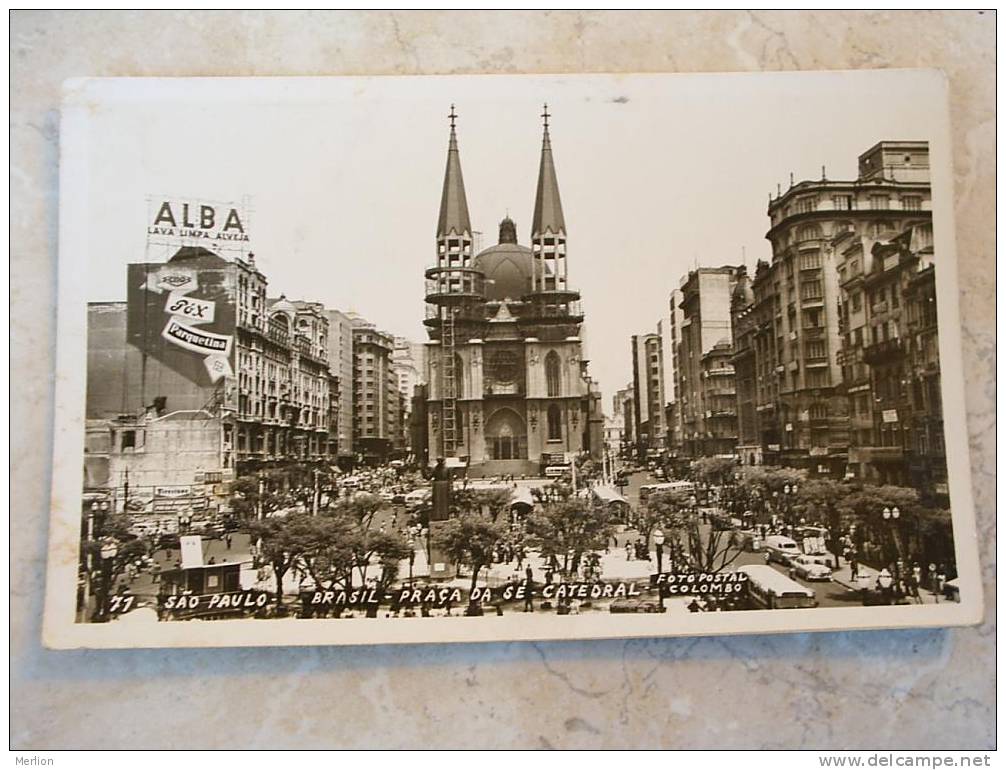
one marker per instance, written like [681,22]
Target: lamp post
[658,541]
[891,516]
[109,550]
[412,556]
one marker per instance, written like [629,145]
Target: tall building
[648,392]
[508,385]
[376,403]
[743,327]
[408,362]
[623,410]
[705,375]
[890,357]
[672,380]
[801,397]
[197,378]
[340,356]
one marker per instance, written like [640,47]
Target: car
[806,567]
[398,499]
[746,540]
[387,495]
[781,549]
[625,605]
[417,498]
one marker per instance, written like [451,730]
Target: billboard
[182,313]
[215,225]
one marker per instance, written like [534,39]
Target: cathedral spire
[453,203]
[547,206]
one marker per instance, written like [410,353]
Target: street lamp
[412,556]
[891,515]
[658,540]
[109,550]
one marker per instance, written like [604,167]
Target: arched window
[552,375]
[554,423]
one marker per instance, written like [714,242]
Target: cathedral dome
[506,266]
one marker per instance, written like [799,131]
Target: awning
[609,495]
[523,496]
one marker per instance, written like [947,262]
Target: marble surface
[906,689]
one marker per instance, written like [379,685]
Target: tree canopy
[470,540]
[570,528]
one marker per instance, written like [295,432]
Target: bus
[682,487]
[772,590]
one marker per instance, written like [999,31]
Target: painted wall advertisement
[182,313]
[214,225]
[182,310]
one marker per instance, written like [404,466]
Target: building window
[805,205]
[817,378]
[552,376]
[811,259]
[128,440]
[554,423]
[842,202]
[880,202]
[819,411]
[911,202]
[811,290]
[808,233]
[857,301]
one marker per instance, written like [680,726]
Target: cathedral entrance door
[505,435]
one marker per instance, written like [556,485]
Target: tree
[819,502]
[759,485]
[252,498]
[660,510]
[865,506]
[493,501]
[703,548]
[113,529]
[388,548]
[470,539]
[570,528]
[284,541]
[716,471]
[362,508]
[330,555]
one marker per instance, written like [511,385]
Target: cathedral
[508,390]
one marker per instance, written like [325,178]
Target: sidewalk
[868,579]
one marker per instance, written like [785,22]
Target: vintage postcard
[416,359]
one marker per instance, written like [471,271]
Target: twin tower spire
[547,215]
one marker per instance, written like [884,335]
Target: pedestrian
[628,550]
[227,540]
[853,566]
[528,589]
[940,581]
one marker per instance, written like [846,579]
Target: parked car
[417,497]
[780,549]
[625,605]
[747,540]
[808,568]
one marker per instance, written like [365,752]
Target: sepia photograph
[469,358]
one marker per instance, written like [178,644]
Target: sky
[657,174]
